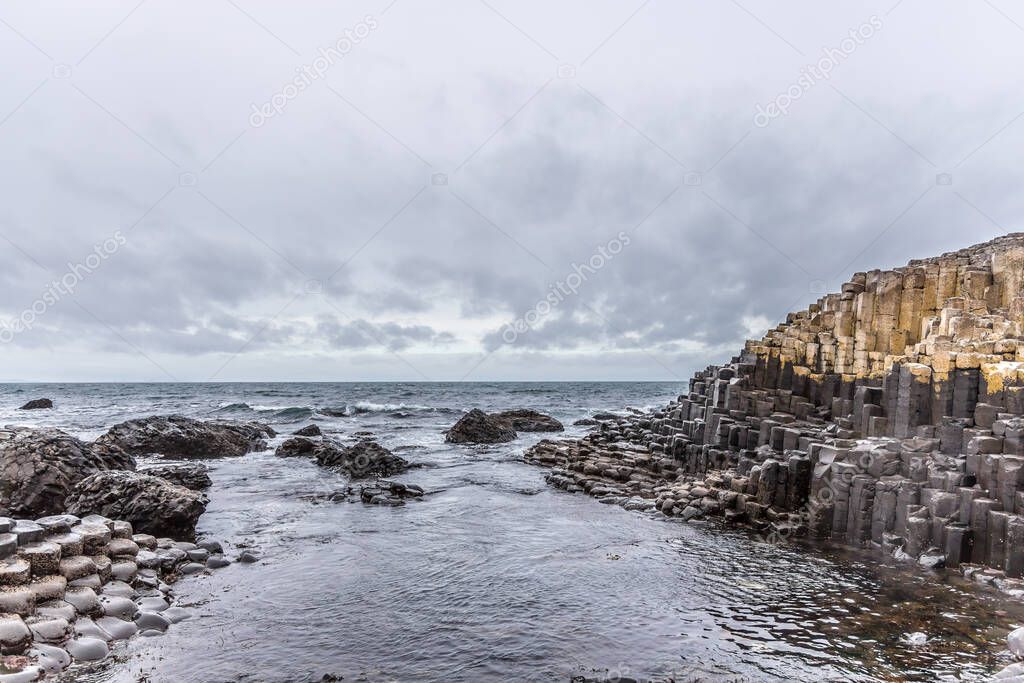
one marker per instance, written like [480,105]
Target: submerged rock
[479,427]
[39,467]
[38,404]
[529,421]
[182,437]
[195,475]
[152,505]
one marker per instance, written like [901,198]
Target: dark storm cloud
[443,180]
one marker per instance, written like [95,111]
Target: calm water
[494,576]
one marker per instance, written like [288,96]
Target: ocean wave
[368,408]
[270,413]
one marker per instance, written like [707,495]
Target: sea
[496,576]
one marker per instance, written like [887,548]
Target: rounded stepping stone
[117,628]
[120,589]
[151,634]
[44,558]
[15,636]
[58,524]
[49,588]
[92,581]
[145,541]
[176,614]
[56,609]
[99,520]
[184,546]
[122,547]
[15,572]
[152,604]
[88,649]
[123,608]
[70,544]
[52,660]
[124,571]
[123,530]
[26,675]
[27,531]
[8,545]
[218,562]
[151,621]
[171,557]
[18,600]
[147,559]
[94,537]
[103,565]
[84,600]
[51,630]
[88,628]
[192,568]
[77,567]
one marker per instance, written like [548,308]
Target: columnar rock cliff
[887,415]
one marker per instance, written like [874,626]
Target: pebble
[248,558]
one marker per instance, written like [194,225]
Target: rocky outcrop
[39,467]
[193,475]
[889,415]
[185,438]
[364,459]
[297,447]
[151,504]
[38,404]
[310,430]
[71,587]
[476,426]
[529,421]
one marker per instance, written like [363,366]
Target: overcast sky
[448,166]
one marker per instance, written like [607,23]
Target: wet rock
[38,468]
[117,628]
[51,630]
[15,636]
[38,404]
[248,558]
[87,649]
[217,562]
[152,621]
[529,421]
[311,430]
[84,600]
[152,505]
[586,422]
[296,448]
[479,427]
[1015,641]
[182,437]
[194,476]
[365,459]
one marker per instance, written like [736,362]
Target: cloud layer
[453,170]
